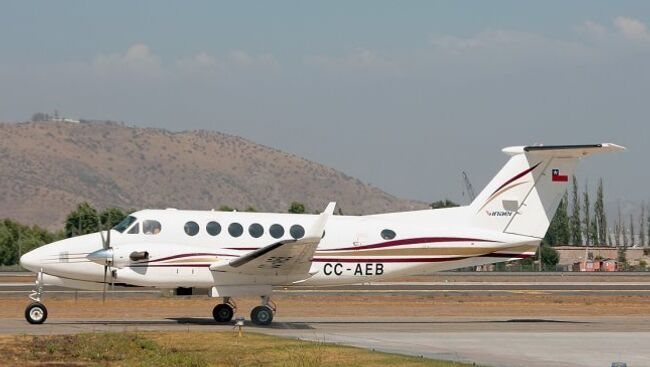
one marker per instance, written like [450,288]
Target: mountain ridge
[50,167]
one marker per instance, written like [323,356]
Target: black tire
[36,313]
[222,313]
[262,315]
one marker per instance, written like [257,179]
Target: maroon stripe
[516,177]
[361,260]
[184,255]
[389,260]
[171,266]
[411,241]
[243,248]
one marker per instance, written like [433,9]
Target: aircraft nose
[30,261]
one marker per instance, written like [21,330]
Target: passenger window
[235,229]
[135,229]
[297,231]
[256,230]
[387,234]
[276,231]
[151,227]
[213,228]
[191,228]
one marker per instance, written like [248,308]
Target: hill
[49,167]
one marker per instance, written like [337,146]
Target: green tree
[297,208]
[251,209]
[586,216]
[599,216]
[17,239]
[226,208]
[575,226]
[632,239]
[439,204]
[83,220]
[112,216]
[550,257]
[621,259]
[558,231]
[642,230]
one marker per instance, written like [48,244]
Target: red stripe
[411,241]
[560,178]
[516,177]
[415,260]
[184,255]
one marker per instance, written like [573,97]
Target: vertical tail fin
[523,197]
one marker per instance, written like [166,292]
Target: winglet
[316,230]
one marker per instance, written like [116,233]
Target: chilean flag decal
[557,177]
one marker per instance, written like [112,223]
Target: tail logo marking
[504,187]
[498,213]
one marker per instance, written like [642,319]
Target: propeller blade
[101,232]
[104,291]
[108,237]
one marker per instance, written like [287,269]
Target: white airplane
[235,254]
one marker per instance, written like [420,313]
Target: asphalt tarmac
[20,289]
[490,340]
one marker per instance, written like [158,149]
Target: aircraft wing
[287,257]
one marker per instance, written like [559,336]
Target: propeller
[104,257]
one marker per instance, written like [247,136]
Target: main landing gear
[224,312]
[263,314]
[36,312]
[260,315]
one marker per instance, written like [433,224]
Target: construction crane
[469,190]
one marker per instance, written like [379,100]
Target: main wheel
[222,312]
[262,315]
[36,313]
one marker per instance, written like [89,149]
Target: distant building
[595,258]
[63,119]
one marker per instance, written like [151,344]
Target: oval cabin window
[191,228]
[297,231]
[276,231]
[387,234]
[213,228]
[256,230]
[235,229]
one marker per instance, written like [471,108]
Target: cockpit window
[126,223]
[151,227]
[135,229]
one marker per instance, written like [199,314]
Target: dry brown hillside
[47,168]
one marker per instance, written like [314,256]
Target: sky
[404,95]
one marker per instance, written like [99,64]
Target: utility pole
[20,245]
[469,189]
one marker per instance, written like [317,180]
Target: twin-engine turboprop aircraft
[233,254]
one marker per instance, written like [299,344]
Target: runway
[507,342]
[536,322]
[411,288]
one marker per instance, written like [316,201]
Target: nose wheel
[36,312]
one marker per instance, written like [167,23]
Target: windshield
[126,223]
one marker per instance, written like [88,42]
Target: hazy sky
[402,94]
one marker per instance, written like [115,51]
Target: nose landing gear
[36,312]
